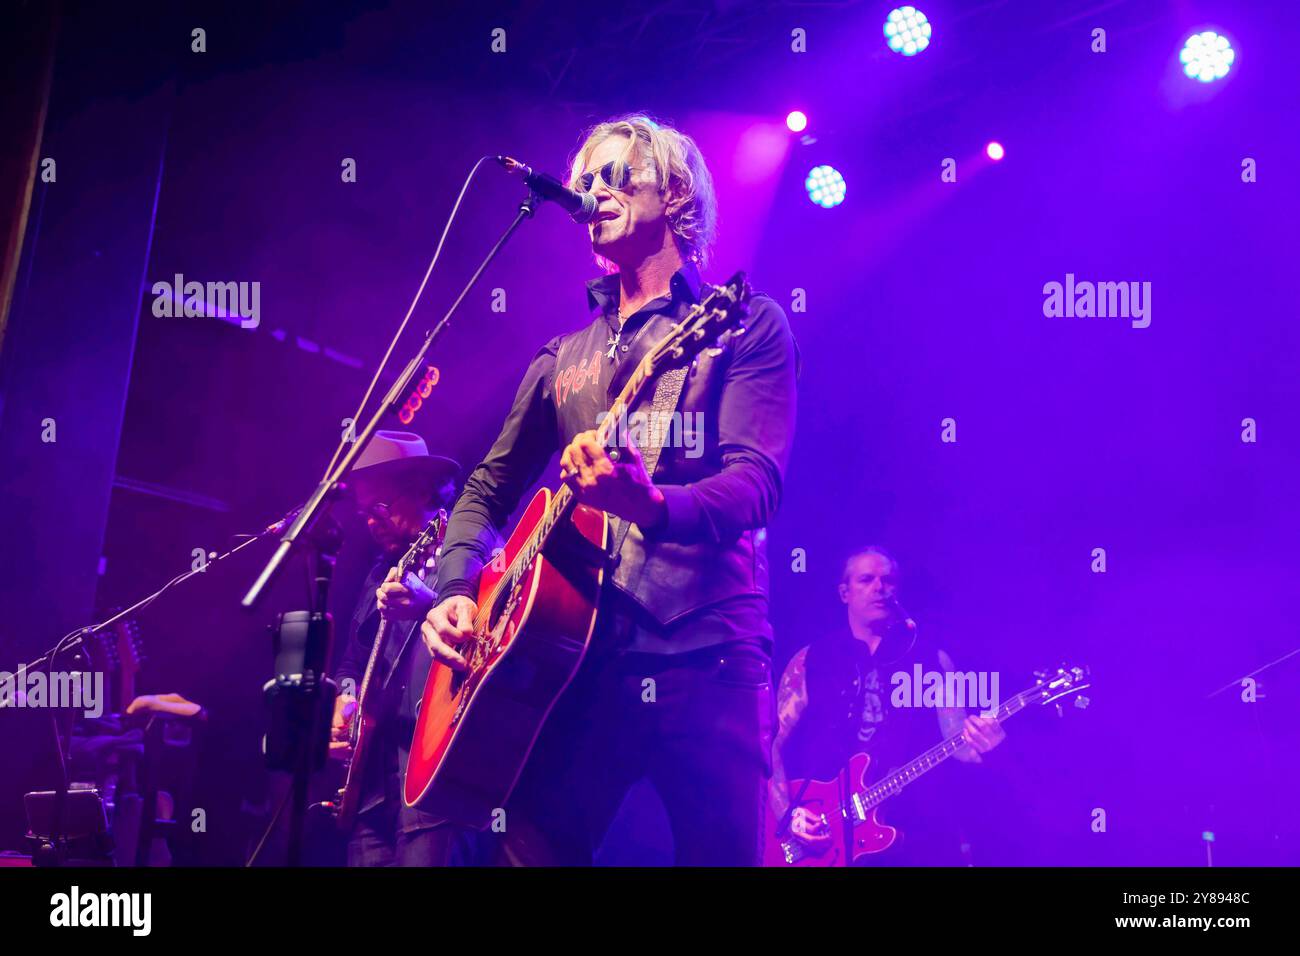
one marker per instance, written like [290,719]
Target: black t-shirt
[850,708]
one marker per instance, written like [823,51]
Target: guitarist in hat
[399,488]
[676,685]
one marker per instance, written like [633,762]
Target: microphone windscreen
[587,210]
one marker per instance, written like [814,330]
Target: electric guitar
[855,828]
[536,613]
[367,717]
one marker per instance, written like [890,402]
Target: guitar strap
[668,390]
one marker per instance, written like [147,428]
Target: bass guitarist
[836,700]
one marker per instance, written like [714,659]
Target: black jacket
[722,482]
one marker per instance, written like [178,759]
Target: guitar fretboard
[430,536]
[888,786]
[563,501]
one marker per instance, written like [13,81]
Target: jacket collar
[602,293]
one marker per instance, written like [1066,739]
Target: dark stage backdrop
[914,302]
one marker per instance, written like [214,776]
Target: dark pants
[377,841]
[698,725]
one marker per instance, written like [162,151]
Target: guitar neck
[408,560]
[562,502]
[381,634]
[686,338]
[888,786]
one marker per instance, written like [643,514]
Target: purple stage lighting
[907,30]
[1207,56]
[825,186]
[995,150]
[797,121]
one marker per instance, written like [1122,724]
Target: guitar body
[475,730]
[824,798]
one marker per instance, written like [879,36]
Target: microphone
[581,207]
[901,614]
[900,619]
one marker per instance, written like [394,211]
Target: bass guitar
[851,817]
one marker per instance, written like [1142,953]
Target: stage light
[995,151]
[797,121]
[1207,56]
[825,186]
[907,30]
[422,390]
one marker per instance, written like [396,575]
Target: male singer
[676,686]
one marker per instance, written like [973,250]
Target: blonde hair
[678,164]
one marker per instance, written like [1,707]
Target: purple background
[924,301]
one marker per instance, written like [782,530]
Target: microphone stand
[1263,737]
[300,698]
[78,638]
[329,486]
[301,695]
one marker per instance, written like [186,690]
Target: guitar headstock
[1064,680]
[117,652]
[116,649]
[425,546]
[100,649]
[130,645]
[711,324]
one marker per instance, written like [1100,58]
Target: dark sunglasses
[611,174]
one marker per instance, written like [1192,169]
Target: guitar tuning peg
[1082,702]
